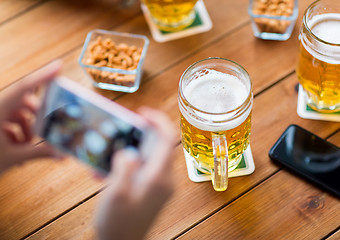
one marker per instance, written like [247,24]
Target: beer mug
[318,65]
[215,101]
[171,15]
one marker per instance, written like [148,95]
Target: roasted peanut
[273,8]
[106,53]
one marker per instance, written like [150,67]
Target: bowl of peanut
[113,60]
[273,19]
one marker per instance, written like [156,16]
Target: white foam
[216,92]
[327,28]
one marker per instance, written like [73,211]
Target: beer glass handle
[219,174]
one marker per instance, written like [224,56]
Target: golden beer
[171,15]
[318,65]
[198,143]
[215,101]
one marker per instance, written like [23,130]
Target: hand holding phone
[93,129]
[18,104]
[89,126]
[309,156]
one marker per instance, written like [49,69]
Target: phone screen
[310,156]
[77,126]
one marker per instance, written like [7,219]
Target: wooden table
[44,199]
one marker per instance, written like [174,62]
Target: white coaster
[202,23]
[245,167]
[304,111]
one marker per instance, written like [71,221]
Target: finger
[11,133]
[98,175]
[31,103]
[23,119]
[158,165]
[124,164]
[160,160]
[160,121]
[28,152]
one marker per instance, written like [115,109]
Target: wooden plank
[71,226]
[24,228]
[169,100]
[293,203]
[165,90]
[160,56]
[26,192]
[49,31]
[334,236]
[275,208]
[193,201]
[272,113]
[260,58]
[335,139]
[11,8]
[68,37]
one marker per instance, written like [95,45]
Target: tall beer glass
[215,101]
[318,65]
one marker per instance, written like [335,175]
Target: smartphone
[89,126]
[309,156]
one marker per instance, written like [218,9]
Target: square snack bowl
[101,79]
[272,27]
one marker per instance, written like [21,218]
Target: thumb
[124,164]
[28,152]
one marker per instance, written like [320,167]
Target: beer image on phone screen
[318,65]
[215,101]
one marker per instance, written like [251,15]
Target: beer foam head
[216,92]
[327,27]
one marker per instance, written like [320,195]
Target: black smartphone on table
[89,126]
[309,156]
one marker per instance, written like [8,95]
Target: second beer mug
[171,15]
[318,65]
[215,100]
